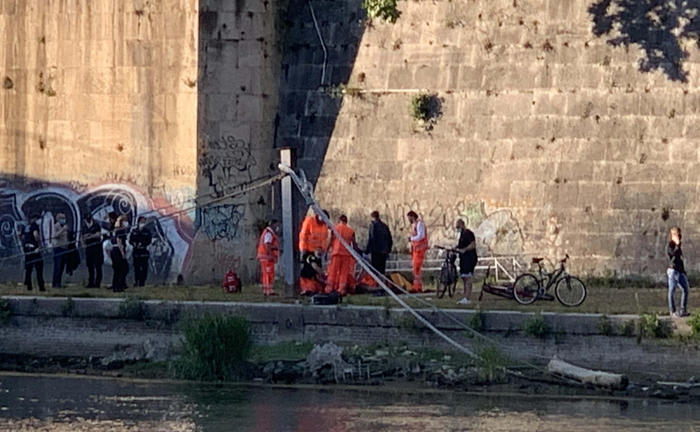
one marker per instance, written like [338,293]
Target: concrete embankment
[113,328]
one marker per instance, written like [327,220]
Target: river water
[54,403]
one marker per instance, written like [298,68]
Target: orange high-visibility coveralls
[313,235]
[419,245]
[268,252]
[342,264]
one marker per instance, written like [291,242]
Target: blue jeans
[676,278]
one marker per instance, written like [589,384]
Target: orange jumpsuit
[419,246]
[268,252]
[342,265]
[313,236]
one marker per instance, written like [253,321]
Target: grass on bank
[603,298]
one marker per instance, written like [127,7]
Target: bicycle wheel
[443,281]
[453,278]
[525,288]
[570,291]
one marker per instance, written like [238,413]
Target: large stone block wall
[551,141]
[239,63]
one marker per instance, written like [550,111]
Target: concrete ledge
[298,315]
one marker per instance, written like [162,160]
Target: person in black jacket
[379,242]
[31,241]
[676,273]
[91,241]
[120,265]
[140,238]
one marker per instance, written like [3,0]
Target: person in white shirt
[419,246]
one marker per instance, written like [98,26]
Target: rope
[232,192]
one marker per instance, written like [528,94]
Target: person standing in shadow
[140,238]
[120,265]
[91,241]
[30,239]
[60,249]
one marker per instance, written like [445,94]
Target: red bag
[232,284]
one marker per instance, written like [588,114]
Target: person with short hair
[379,242]
[419,246]
[140,238]
[268,253]
[676,273]
[342,266]
[91,241]
[466,247]
[30,238]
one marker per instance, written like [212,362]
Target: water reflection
[77,404]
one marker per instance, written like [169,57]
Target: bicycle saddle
[537,260]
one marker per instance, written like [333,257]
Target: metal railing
[507,267]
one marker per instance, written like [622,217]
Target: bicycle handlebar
[446,249]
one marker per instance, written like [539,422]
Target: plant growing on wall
[426,109]
[384,9]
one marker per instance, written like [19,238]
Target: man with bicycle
[466,247]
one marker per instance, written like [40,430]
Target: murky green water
[88,404]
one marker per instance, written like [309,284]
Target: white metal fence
[505,267]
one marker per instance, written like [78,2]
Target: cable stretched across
[231,192]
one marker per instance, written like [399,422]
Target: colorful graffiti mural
[172,231]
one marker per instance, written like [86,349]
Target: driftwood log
[587,376]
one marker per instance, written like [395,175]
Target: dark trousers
[379,261]
[94,258]
[59,264]
[140,270]
[120,267]
[34,261]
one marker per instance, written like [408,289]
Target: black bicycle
[447,281]
[569,290]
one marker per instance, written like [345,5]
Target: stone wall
[552,139]
[140,107]
[239,61]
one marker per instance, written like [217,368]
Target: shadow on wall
[659,28]
[321,39]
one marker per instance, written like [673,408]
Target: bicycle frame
[553,277]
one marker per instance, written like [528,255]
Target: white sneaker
[464,301]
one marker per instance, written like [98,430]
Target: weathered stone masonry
[551,139]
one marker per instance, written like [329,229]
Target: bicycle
[569,290]
[447,281]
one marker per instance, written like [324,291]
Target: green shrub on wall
[426,108]
[384,9]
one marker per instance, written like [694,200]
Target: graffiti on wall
[225,162]
[497,232]
[220,222]
[172,231]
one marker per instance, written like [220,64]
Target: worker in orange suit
[419,246]
[342,265]
[313,235]
[313,242]
[268,252]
